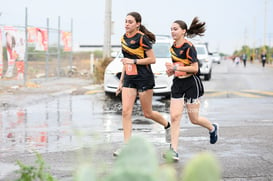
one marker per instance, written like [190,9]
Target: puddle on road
[68,123]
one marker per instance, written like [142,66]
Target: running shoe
[117,152]
[214,134]
[171,155]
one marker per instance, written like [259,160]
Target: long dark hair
[142,28]
[196,28]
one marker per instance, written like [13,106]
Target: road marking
[93,92]
[215,94]
[243,93]
[265,93]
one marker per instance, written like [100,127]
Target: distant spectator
[237,60]
[251,58]
[263,58]
[244,58]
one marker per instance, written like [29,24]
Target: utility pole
[107,29]
[265,18]
[245,37]
[254,35]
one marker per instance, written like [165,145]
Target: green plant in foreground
[202,167]
[34,173]
[137,162]
[85,172]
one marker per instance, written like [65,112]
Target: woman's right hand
[127,61]
[169,67]
[119,89]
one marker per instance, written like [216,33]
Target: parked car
[162,81]
[205,60]
[216,58]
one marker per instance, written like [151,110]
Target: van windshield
[201,50]
[161,50]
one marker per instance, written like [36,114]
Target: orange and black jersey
[186,53]
[134,47]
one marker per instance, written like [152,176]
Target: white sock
[212,130]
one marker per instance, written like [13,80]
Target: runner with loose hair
[137,78]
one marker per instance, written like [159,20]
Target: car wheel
[109,94]
[208,76]
[112,96]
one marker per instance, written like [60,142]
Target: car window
[161,50]
[201,50]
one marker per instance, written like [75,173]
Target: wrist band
[174,67]
[135,61]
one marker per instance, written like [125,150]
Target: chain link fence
[29,52]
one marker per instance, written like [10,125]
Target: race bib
[131,69]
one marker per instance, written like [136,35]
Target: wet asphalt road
[81,126]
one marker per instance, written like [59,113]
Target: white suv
[162,81]
[205,60]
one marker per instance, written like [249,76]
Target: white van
[204,59]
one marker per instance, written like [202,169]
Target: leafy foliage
[34,173]
[99,69]
[202,167]
[137,162]
[255,52]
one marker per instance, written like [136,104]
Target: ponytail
[196,27]
[150,35]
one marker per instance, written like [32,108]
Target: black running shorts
[140,85]
[189,88]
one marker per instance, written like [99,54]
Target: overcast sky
[230,23]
